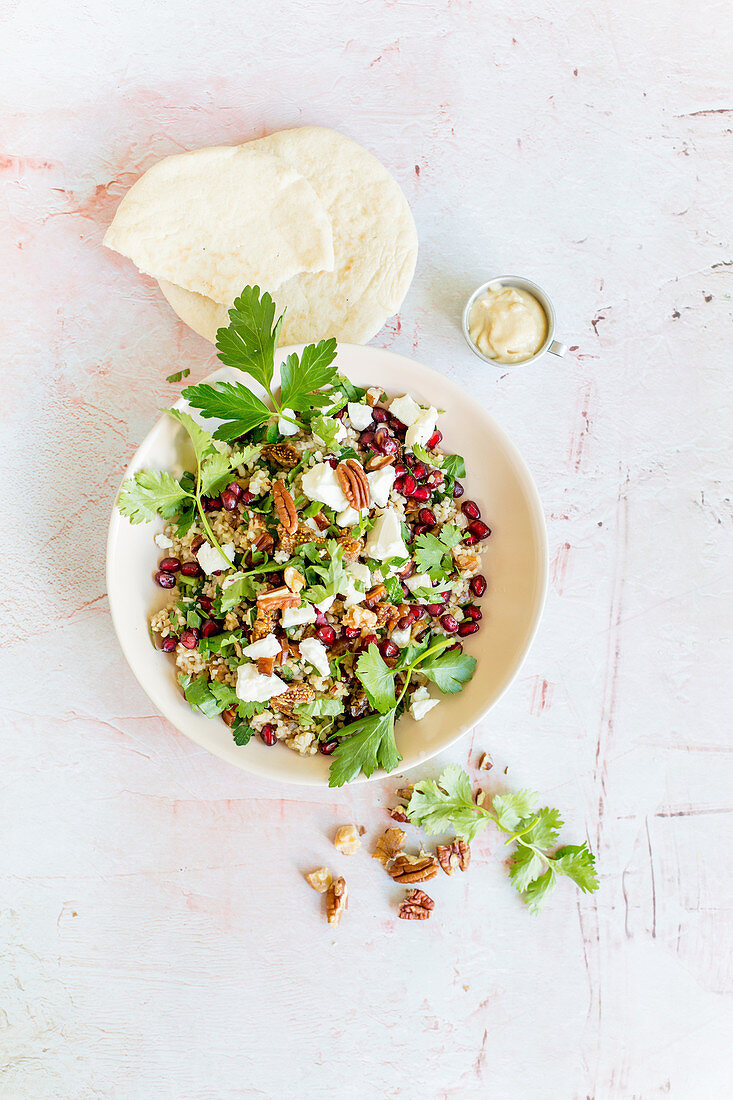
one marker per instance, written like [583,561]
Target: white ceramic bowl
[515,567]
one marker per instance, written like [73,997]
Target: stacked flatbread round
[307,214]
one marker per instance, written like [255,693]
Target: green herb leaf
[332,576]
[426,457]
[201,439]
[368,744]
[544,829]
[325,428]
[250,340]
[512,808]
[578,863]
[150,493]
[179,375]
[214,472]
[538,891]
[242,587]
[200,696]
[450,671]
[231,402]
[447,804]
[524,867]
[320,708]
[454,466]
[301,377]
[377,679]
[433,554]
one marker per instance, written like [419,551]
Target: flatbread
[374,240]
[216,219]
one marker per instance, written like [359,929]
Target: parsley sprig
[369,743]
[433,553]
[536,863]
[248,344]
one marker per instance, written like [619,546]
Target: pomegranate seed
[399,469]
[457,648]
[352,632]
[435,439]
[435,478]
[190,638]
[340,414]
[389,649]
[205,602]
[247,497]
[191,569]
[212,504]
[368,639]
[449,624]
[169,644]
[404,622]
[434,609]
[236,488]
[165,580]
[379,414]
[445,596]
[467,628]
[471,509]
[420,529]
[209,628]
[471,611]
[477,585]
[422,493]
[332,462]
[427,516]
[320,618]
[326,634]
[405,590]
[458,490]
[417,612]
[410,460]
[397,425]
[267,734]
[420,471]
[169,565]
[470,540]
[366,439]
[228,500]
[479,529]
[399,484]
[409,485]
[390,446]
[327,747]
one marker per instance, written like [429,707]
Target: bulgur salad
[322,562]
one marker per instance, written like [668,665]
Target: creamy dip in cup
[510,321]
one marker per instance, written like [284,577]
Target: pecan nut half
[416,906]
[278,598]
[389,844]
[287,513]
[454,855]
[354,483]
[413,868]
[337,900]
[378,462]
[293,697]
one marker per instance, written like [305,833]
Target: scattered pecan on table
[347,840]
[454,855]
[388,845]
[337,900]
[413,868]
[287,513]
[416,906]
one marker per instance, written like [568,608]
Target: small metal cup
[516,281]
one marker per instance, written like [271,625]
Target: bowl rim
[529,486]
[520,282]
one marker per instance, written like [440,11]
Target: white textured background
[156,939]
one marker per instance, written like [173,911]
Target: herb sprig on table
[369,743]
[536,863]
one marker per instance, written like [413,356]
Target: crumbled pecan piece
[372,396]
[287,513]
[274,599]
[416,906]
[293,697]
[389,845]
[320,879]
[281,454]
[337,900]
[322,522]
[196,543]
[397,813]
[264,623]
[413,868]
[294,579]
[354,483]
[405,792]
[360,618]
[264,542]
[229,716]
[265,665]
[454,855]
[351,547]
[378,462]
[347,840]
[374,595]
[485,762]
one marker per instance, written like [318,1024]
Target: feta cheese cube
[401,638]
[253,687]
[266,647]
[359,415]
[418,580]
[380,485]
[284,426]
[348,517]
[297,616]
[315,653]
[405,409]
[325,605]
[422,703]
[384,541]
[163,541]
[356,571]
[211,560]
[320,483]
[421,429]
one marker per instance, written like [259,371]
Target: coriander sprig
[248,344]
[536,862]
[369,743]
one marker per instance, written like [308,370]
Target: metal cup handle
[556,348]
